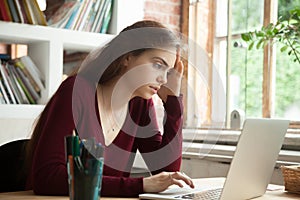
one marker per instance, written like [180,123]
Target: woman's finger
[183,177]
[179,67]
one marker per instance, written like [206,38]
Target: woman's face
[145,73]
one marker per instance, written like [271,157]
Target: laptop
[251,167]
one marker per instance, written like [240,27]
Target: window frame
[269,59]
[291,148]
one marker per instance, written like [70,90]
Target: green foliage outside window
[286,34]
[247,65]
[285,31]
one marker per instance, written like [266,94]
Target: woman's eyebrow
[163,61]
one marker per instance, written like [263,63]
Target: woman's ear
[126,61]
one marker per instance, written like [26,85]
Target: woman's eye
[157,65]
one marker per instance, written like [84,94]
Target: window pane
[287,95]
[246,15]
[246,80]
[246,70]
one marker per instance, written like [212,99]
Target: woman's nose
[162,78]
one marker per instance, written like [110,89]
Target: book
[12,85]
[39,15]
[5,57]
[80,14]
[86,12]
[29,12]
[5,12]
[23,10]
[73,16]
[98,15]
[91,16]
[19,91]
[11,81]
[101,17]
[25,85]
[3,92]
[19,64]
[2,100]
[37,75]
[19,10]
[6,83]
[13,11]
[62,15]
[107,17]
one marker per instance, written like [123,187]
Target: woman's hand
[163,180]
[173,85]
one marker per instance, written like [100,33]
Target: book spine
[27,74]
[91,16]
[107,18]
[73,16]
[85,14]
[98,15]
[63,14]
[22,96]
[5,57]
[34,71]
[25,85]
[14,91]
[79,14]
[39,15]
[3,91]
[23,11]
[6,84]
[5,12]
[13,11]
[14,87]
[19,11]
[101,17]
[29,12]
[2,100]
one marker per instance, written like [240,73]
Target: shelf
[16,121]
[46,46]
[71,40]
[21,111]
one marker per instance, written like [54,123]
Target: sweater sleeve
[162,151]
[121,186]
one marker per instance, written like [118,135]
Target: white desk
[28,195]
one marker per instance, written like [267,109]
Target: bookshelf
[45,47]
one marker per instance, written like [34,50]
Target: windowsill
[193,147]
[220,145]
[292,137]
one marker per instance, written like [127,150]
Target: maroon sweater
[77,104]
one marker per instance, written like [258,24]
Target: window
[251,83]
[223,75]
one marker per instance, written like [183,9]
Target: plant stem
[293,49]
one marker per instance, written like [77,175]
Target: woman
[110,99]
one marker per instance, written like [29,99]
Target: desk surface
[279,194]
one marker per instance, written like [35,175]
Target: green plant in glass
[285,31]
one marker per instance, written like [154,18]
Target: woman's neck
[112,111]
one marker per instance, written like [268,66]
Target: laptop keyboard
[213,194]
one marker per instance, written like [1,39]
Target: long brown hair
[91,66]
